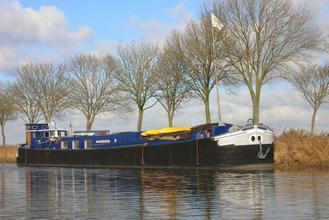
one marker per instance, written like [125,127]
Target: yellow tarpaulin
[165,131]
[174,130]
[151,132]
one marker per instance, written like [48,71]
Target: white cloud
[23,28]
[312,5]
[319,11]
[180,13]
[151,29]
[106,47]
[156,30]
[279,109]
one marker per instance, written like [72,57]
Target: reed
[297,149]
[8,154]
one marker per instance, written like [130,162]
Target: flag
[216,23]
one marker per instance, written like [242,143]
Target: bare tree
[24,99]
[136,74]
[7,109]
[172,84]
[49,87]
[94,90]
[312,82]
[260,37]
[204,58]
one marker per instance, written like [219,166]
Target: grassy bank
[299,149]
[8,154]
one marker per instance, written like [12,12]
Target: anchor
[260,154]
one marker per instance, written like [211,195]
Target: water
[77,193]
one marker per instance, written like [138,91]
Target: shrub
[300,149]
[8,154]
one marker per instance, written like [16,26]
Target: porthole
[253,138]
[259,138]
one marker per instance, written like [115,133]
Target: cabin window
[34,127]
[88,144]
[38,135]
[46,134]
[63,144]
[75,144]
[44,126]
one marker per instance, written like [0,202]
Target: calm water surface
[76,193]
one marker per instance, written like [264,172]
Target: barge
[208,145]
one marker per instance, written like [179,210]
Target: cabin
[40,136]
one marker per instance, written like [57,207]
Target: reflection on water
[57,193]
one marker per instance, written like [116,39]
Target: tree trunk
[207,109]
[3,134]
[89,124]
[313,120]
[255,106]
[170,118]
[140,118]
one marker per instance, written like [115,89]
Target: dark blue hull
[202,153]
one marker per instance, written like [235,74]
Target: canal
[78,193]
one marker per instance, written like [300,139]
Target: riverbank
[296,149]
[8,154]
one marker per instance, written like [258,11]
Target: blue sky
[111,19]
[47,31]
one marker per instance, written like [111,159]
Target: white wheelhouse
[246,136]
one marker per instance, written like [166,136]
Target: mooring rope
[197,152]
[142,159]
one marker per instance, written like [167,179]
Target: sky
[52,31]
